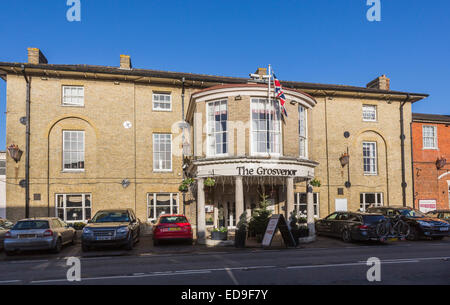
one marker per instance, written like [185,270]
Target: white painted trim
[443,175]
[83,206]
[435,134]
[208,152]
[153,153]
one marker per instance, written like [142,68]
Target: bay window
[266,126]
[217,128]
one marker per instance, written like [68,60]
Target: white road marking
[29,262]
[233,278]
[10,281]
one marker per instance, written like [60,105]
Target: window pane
[73,149]
[73,95]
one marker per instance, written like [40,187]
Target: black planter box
[219,235]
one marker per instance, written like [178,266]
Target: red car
[172,227]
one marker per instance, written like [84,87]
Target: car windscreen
[111,216]
[370,219]
[31,225]
[446,215]
[173,219]
[411,213]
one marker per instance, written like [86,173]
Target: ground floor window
[73,207]
[300,204]
[370,199]
[162,203]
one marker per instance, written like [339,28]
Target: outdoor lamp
[15,152]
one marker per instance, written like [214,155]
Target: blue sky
[312,41]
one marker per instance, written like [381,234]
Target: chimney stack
[125,62]
[261,72]
[382,83]
[36,57]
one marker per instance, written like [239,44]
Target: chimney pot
[261,71]
[382,83]
[35,56]
[125,62]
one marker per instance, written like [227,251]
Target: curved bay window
[266,126]
[302,131]
[217,128]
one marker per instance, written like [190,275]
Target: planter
[239,239]
[219,235]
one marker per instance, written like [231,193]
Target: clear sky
[324,41]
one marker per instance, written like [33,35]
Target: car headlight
[87,231]
[424,223]
[122,230]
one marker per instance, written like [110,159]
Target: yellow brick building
[109,137]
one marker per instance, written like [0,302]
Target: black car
[420,225]
[350,226]
[111,228]
[441,214]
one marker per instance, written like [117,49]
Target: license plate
[104,237]
[171,229]
[444,229]
[27,236]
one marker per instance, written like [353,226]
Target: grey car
[43,233]
[5,225]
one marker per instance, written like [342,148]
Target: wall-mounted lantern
[344,159]
[440,163]
[15,152]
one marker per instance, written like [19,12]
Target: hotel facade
[119,137]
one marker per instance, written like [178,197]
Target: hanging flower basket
[440,163]
[315,182]
[185,184]
[209,182]
[344,159]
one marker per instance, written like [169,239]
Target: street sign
[277,221]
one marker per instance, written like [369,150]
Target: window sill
[68,105]
[72,171]
[370,174]
[162,171]
[162,110]
[430,148]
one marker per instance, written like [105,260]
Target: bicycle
[393,227]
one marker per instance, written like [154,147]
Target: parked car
[111,228]
[441,214]
[420,225]
[350,226]
[5,225]
[172,227]
[39,233]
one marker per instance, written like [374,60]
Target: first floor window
[162,152]
[73,96]
[367,200]
[162,203]
[302,131]
[301,205]
[369,113]
[162,101]
[266,126]
[73,207]
[429,137]
[217,128]
[370,158]
[73,149]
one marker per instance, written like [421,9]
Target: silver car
[5,225]
[39,234]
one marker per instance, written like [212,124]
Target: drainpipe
[27,146]
[182,142]
[402,141]
[412,165]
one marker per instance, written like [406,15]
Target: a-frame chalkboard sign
[277,221]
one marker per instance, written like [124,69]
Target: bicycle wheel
[382,229]
[402,228]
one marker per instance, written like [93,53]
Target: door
[325,224]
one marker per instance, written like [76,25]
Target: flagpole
[267,111]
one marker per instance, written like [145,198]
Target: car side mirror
[89,221]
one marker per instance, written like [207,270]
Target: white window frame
[171,155]
[435,137]
[83,200]
[362,205]
[375,158]
[161,94]
[64,132]
[366,108]
[154,196]
[65,98]
[305,127]
[211,133]
[253,149]
[297,203]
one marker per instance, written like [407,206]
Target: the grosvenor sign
[262,171]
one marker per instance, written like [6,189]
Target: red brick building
[431,161]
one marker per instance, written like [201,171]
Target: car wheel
[130,243]
[84,248]
[58,246]
[413,234]
[346,236]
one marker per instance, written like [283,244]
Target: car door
[339,223]
[327,223]
[67,231]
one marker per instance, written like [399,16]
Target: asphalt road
[425,262]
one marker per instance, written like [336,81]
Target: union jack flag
[280,95]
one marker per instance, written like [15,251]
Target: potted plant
[344,159]
[315,182]
[260,219]
[209,182]
[185,184]
[241,231]
[219,233]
